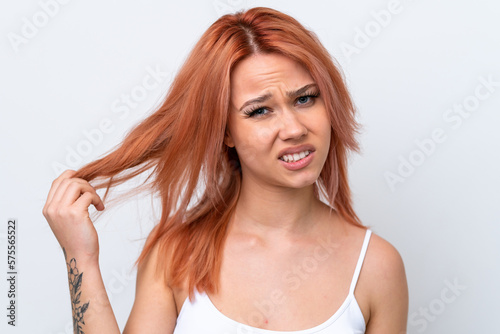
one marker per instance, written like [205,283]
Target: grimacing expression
[278,122]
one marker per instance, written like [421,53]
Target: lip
[296,149]
[302,163]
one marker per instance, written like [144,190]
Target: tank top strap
[360,261]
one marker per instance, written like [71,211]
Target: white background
[68,76]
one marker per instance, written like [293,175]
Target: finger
[73,190]
[55,184]
[57,189]
[68,190]
[88,198]
[67,193]
[96,200]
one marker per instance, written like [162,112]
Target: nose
[291,125]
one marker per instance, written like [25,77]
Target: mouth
[297,161]
[295,156]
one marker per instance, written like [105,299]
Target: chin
[301,181]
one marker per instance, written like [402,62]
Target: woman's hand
[66,211]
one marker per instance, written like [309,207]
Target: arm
[91,309]
[66,211]
[154,309]
[388,289]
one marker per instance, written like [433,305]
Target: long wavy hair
[198,177]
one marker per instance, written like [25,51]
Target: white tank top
[202,317]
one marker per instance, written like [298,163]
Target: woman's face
[278,122]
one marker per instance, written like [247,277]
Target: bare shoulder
[383,282]
[154,309]
[382,264]
[383,260]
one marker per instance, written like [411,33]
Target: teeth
[295,157]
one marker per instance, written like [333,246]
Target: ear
[228,139]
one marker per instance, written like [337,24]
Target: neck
[266,210]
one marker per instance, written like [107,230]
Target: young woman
[260,120]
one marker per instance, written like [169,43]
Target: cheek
[327,131]
[325,127]
[327,135]
[252,142]
[263,135]
[322,128]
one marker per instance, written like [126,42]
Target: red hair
[182,142]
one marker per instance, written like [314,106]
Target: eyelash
[253,111]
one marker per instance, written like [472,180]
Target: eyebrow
[267,96]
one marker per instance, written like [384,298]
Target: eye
[307,99]
[257,111]
[303,99]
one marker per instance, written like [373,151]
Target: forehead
[263,73]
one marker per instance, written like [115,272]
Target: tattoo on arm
[75,283]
